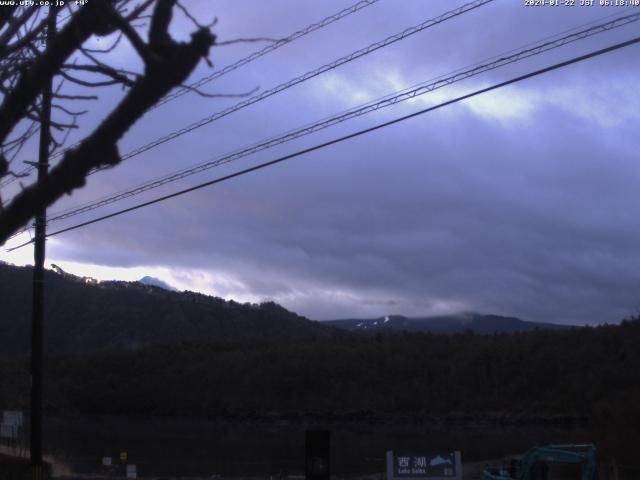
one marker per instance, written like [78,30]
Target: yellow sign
[123,456]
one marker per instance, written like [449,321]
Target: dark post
[318,455]
[38,280]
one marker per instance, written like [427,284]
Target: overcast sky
[519,202]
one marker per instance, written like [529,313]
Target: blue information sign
[427,466]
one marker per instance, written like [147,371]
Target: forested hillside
[460,323]
[84,316]
[589,372]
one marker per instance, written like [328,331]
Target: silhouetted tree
[27,66]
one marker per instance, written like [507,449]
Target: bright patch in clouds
[589,103]
[217,284]
[22,256]
[351,94]
[513,104]
[506,105]
[102,272]
[348,92]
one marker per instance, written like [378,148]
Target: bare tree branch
[117,76]
[194,20]
[75,97]
[6,13]
[87,83]
[169,67]
[136,13]
[69,112]
[77,31]
[220,95]
[27,38]
[247,40]
[134,38]
[107,49]
[14,26]
[159,30]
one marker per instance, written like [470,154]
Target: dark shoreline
[382,419]
[366,418]
[173,447]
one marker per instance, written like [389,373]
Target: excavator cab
[535,463]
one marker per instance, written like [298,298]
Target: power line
[620,21]
[291,83]
[268,49]
[304,77]
[240,63]
[403,95]
[297,80]
[347,137]
[387,101]
[308,75]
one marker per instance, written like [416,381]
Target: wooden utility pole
[37,312]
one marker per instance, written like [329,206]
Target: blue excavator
[535,463]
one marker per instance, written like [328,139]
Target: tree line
[590,372]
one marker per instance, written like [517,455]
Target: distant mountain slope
[449,324]
[84,315]
[156,282]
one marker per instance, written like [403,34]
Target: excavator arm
[523,469]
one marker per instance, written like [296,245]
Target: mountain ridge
[477,323]
[156,282]
[83,315]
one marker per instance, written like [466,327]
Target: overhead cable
[286,85]
[243,61]
[346,137]
[268,49]
[388,101]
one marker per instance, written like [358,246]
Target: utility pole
[37,313]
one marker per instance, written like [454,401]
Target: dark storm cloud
[517,203]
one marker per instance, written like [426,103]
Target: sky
[517,202]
